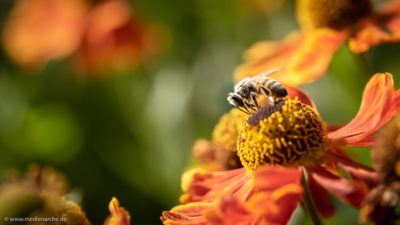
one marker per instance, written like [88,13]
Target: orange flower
[305,56]
[293,136]
[104,38]
[118,215]
[115,40]
[41,30]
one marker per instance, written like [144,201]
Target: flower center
[335,14]
[290,133]
[227,129]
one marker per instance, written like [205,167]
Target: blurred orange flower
[115,40]
[103,38]
[41,30]
[304,56]
[40,193]
[300,140]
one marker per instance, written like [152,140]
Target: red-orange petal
[378,104]
[230,211]
[349,191]
[357,171]
[321,198]
[275,196]
[269,178]
[203,186]
[272,199]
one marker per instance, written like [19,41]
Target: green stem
[307,201]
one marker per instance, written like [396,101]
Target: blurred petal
[379,103]
[349,191]
[313,59]
[367,35]
[267,55]
[321,198]
[40,30]
[299,58]
[357,171]
[118,215]
[115,40]
[384,27]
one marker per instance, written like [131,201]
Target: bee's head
[235,99]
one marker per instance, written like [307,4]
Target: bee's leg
[239,103]
[250,106]
[254,98]
[244,109]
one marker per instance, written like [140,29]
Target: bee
[244,95]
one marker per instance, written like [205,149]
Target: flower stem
[307,201]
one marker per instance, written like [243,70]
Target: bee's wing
[264,76]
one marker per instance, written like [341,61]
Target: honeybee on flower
[274,146]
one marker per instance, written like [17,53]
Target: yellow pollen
[335,14]
[226,132]
[291,136]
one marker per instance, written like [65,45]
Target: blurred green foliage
[129,135]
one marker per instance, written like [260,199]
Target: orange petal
[312,60]
[203,185]
[272,202]
[189,214]
[384,27]
[267,55]
[41,30]
[272,199]
[118,215]
[230,211]
[349,191]
[378,104]
[299,58]
[115,40]
[367,34]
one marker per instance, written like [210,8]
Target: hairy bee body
[245,93]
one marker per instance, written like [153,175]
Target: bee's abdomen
[281,91]
[276,88]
